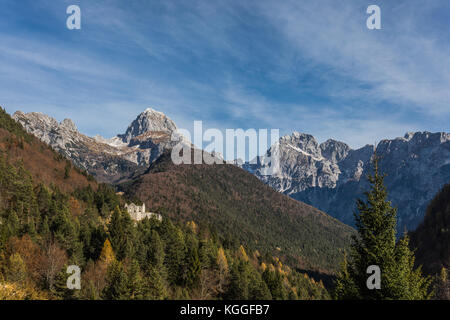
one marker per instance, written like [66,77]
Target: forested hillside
[432,237]
[19,148]
[53,216]
[432,240]
[237,204]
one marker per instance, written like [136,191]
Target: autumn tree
[54,258]
[31,254]
[107,254]
[222,265]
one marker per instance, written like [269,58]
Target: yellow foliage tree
[242,253]
[222,260]
[192,226]
[107,254]
[223,270]
[14,291]
[263,266]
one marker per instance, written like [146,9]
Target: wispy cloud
[309,66]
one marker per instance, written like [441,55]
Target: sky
[307,66]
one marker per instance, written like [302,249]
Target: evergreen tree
[193,266]
[116,283]
[135,282]
[156,250]
[443,286]
[274,281]
[375,244]
[155,285]
[245,283]
[175,256]
[16,269]
[121,230]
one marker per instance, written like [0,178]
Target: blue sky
[309,66]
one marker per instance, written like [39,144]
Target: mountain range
[109,160]
[236,206]
[329,176]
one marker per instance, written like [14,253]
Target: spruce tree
[116,283]
[16,269]
[135,281]
[155,285]
[375,244]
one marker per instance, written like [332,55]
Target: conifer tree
[274,281]
[135,282]
[121,234]
[222,265]
[116,283]
[192,263]
[443,285]
[107,254]
[375,244]
[155,285]
[175,256]
[156,250]
[16,269]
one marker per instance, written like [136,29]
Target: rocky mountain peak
[301,142]
[331,176]
[68,125]
[148,121]
[334,150]
[109,160]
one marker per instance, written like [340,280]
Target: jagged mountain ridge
[331,175]
[21,149]
[109,160]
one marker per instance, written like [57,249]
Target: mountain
[331,176]
[236,203]
[432,237]
[148,121]
[19,148]
[109,160]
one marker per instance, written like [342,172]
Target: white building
[138,212]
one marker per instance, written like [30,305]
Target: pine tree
[16,269]
[375,244]
[116,283]
[245,283]
[443,286]
[156,250]
[121,230]
[135,282]
[274,281]
[192,263]
[175,256]
[155,285]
